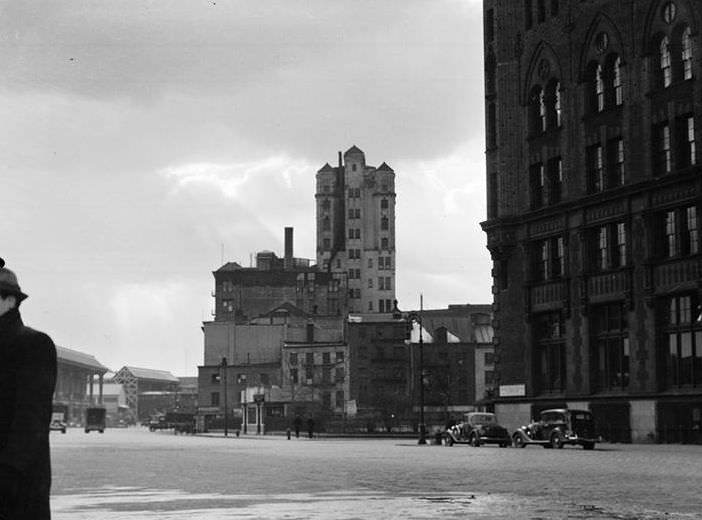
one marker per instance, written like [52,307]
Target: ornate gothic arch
[601,24]
[654,22]
[543,66]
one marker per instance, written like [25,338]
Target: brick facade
[592,122]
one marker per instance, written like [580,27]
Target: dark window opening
[528,14]
[549,338]
[610,347]
[541,10]
[490,25]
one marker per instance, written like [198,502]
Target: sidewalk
[320,435]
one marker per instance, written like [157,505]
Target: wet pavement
[127,474]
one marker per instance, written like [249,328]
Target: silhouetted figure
[297,424]
[310,427]
[27,380]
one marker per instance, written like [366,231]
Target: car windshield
[482,418]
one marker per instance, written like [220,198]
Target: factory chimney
[288,263]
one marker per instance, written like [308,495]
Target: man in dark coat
[297,423]
[310,427]
[27,380]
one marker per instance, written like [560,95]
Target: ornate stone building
[356,229]
[594,184]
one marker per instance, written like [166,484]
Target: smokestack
[288,264]
[340,163]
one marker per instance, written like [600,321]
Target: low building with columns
[79,383]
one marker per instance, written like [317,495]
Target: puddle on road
[128,503]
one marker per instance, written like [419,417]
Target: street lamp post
[241,380]
[224,379]
[411,318]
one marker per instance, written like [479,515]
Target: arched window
[542,111]
[595,88]
[687,52]
[599,88]
[617,81]
[664,62]
[491,125]
[490,70]
[537,110]
[553,104]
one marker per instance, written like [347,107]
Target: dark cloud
[302,75]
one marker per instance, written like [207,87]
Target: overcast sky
[140,140]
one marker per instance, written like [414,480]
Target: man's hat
[8,282]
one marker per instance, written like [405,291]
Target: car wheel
[518,441]
[589,446]
[556,440]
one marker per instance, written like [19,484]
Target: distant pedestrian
[297,424]
[27,380]
[310,427]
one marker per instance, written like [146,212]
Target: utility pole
[422,425]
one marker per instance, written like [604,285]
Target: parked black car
[158,422]
[478,428]
[558,427]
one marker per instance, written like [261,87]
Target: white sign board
[512,390]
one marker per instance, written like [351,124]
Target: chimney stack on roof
[288,263]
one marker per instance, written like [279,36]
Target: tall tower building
[356,229]
[594,201]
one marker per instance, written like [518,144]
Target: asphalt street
[133,473]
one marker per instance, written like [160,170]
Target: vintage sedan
[558,427]
[58,422]
[476,429]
